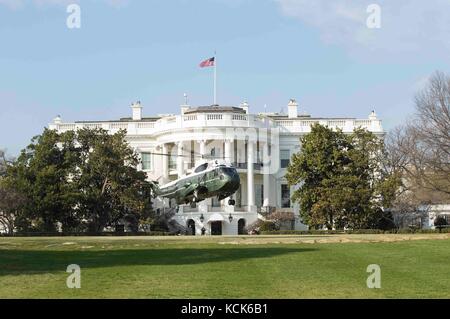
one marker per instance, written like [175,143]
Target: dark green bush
[440,223]
[354,231]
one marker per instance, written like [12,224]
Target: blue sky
[317,51]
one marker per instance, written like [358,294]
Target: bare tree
[420,152]
[3,162]
[10,200]
[429,152]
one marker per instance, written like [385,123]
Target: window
[215,152]
[192,164]
[201,168]
[259,195]
[215,202]
[285,157]
[146,161]
[172,160]
[239,197]
[285,196]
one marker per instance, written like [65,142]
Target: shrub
[353,231]
[440,223]
[268,226]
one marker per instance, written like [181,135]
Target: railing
[345,125]
[187,118]
[263,210]
[67,127]
[256,166]
[335,123]
[362,123]
[93,125]
[145,125]
[215,209]
[266,210]
[210,117]
[189,209]
[118,126]
[223,120]
[240,117]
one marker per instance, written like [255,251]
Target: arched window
[191,227]
[241,226]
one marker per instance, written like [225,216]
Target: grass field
[412,266]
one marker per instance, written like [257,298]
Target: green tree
[110,186]
[340,178]
[41,174]
[84,180]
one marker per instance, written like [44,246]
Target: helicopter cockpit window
[201,168]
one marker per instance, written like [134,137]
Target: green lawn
[222,267]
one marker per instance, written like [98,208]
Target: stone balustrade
[202,120]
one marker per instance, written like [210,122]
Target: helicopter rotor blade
[168,154]
[197,155]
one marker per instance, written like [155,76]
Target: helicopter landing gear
[231,202]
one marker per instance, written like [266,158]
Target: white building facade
[258,145]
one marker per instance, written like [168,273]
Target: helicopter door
[202,180]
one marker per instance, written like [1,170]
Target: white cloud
[18,4]
[406,26]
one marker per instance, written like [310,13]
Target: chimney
[293,108]
[373,116]
[137,111]
[244,106]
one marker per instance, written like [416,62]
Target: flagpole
[215,78]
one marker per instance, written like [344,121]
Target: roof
[215,109]
[125,119]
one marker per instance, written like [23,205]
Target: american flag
[208,62]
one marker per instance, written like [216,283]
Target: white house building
[258,145]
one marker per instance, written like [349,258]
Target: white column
[250,176]
[228,154]
[165,162]
[228,159]
[202,206]
[202,152]
[266,176]
[180,160]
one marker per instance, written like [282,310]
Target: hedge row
[103,234]
[356,231]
